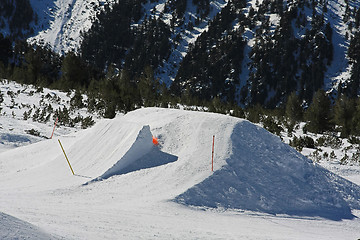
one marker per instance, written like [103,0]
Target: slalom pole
[66,157]
[54,128]
[212,155]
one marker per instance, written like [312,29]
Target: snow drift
[253,169]
[14,228]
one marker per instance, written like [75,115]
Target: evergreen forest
[243,64]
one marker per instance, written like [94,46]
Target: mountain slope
[243,52]
[16,18]
[61,22]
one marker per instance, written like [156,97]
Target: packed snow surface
[125,187]
[13,228]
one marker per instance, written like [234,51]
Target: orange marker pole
[54,128]
[212,155]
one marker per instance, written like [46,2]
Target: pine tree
[147,87]
[344,111]
[74,73]
[293,109]
[318,115]
[356,119]
[76,100]
[5,50]
[33,66]
[354,55]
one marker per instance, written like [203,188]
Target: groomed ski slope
[13,228]
[127,188]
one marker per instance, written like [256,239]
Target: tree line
[119,90]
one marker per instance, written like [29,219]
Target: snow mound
[263,174]
[14,228]
[254,170]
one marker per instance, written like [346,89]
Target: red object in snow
[155,141]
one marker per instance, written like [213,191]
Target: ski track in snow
[135,200]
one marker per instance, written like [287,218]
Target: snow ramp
[112,147]
[253,169]
[141,155]
[265,175]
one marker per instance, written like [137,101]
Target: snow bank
[263,174]
[14,228]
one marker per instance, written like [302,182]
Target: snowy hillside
[126,187]
[339,71]
[62,21]
[28,114]
[247,52]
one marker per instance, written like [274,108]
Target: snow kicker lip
[141,155]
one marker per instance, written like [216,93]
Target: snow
[263,174]
[13,228]
[339,71]
[19,98]
[127,188]
[142,154]
[62,21]
[168,71]
[338,147]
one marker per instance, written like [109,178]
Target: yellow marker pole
[66,157]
